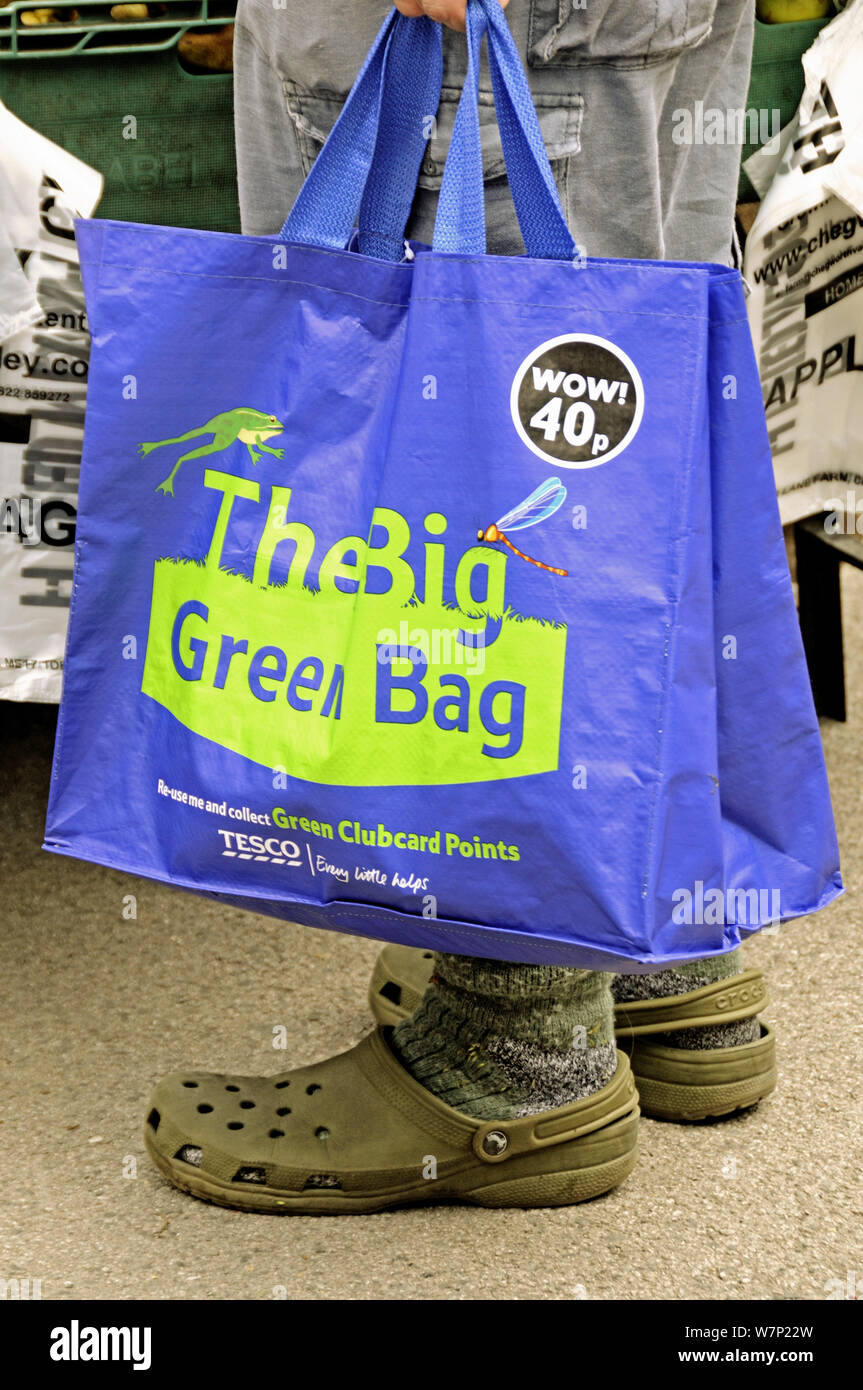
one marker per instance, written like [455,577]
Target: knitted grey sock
[497,1041]
[680,980]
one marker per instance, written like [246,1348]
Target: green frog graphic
[251,427]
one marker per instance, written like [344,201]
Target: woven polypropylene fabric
[326,208]
[460,222]
[534,191]
[410,97]
[367,170]
[460,218]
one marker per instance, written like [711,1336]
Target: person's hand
[448,12]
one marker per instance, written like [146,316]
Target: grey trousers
[616,83]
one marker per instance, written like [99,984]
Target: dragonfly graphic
[541,503]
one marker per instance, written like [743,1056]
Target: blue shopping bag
[435,596]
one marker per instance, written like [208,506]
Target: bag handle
[460,221]
[368,168]
[410,98]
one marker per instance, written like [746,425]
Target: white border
[576,338]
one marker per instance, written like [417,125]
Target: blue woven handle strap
[534,191]
[460,218]
[410,98]
[460,221]
[367,170]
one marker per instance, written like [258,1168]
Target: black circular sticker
[577,400]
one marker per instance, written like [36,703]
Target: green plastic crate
[776,82]
[117,96]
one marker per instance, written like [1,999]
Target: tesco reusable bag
[435,596]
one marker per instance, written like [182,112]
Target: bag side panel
[780,839]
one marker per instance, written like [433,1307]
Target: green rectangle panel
[162,137]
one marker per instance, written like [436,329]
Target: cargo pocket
[314,114]
[615,33]
[559,118]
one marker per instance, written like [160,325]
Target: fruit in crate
[213,49]
[126,13]
[791,11]
[31,19]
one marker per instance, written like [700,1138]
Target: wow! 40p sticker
[577,400]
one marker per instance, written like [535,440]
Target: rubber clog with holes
[356,1133]
[674,1083]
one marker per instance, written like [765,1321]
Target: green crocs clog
[686,1084]
[356,1133]
[398,983]
[674,1083]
